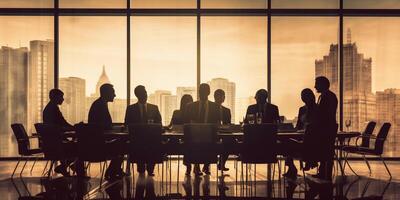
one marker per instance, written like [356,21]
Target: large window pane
[163,4]
[302,48]
[308,4]
[371,4]
[234,58]
[26,74]
[164,60]
[92,52]
[244,4]
[26,3]
[92,4]
[371,83]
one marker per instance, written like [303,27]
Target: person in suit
[201,111]
[224,118]
[53,116]
[142,112]
[306,117]
[177,115]
[326,126]
[99,115]
[269,112]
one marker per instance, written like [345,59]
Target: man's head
[219,96]
[56,96]
[107,92]
[261,96]
[141,94]
[321,84]
[204,91]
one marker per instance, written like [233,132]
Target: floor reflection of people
[222,188]
[145,187]
[64,188]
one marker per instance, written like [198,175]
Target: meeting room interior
[199,99]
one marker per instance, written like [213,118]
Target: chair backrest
[146,143]
[369,129]
[259,143]
[51,138]
[22,138]
[90,142]
[200,143]
[381,137]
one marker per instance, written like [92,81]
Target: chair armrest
[294,140]
[110,141]
[373,137]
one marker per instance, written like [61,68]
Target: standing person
[53,116]
[225,118]
[326,126]
[267,111]
[201,111]
[99,115]
[142,112]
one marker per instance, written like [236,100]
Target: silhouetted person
[53,116]
[224,118]
[305,119]
[177,116]
[99,115]
[201,111]
[326,126]
[142,112]
[269,112]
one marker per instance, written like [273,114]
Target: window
[371,83]
[22,38]
[242,4]
[26,3]
[164,60]
[234,58]
[371,4]
[308,4]
[92,4]
[163,4]
[92,52]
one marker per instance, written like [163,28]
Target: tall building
[241,107]
[40,79]
[13,87]
[166,104]
[387,110]
[180,91]
[230,92]
[74,99]
[358,100]
[117,108]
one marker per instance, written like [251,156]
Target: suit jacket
[326,109]
[52,115]
[224,114]
[305,116]
[192,113]
[133,114]
[270,112]
[100,115]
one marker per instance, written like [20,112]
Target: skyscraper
[230,92]
[74,99]
[41,78]
[387,110]
[358,100]
[166,103]
[13,86]
[241,107]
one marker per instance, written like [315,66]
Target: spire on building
[348,36]
[102,80]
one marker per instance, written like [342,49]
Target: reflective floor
[167,184]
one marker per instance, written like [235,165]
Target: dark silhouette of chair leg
[366,161]
[16,166]
[387,169]
[23,167]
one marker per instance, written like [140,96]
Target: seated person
[305,119]
[99,115]
[267,111]
[224,118]
[52,115]
[177,115]
[142,112]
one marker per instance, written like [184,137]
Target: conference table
[175,137]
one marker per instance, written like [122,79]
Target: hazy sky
[164,50]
